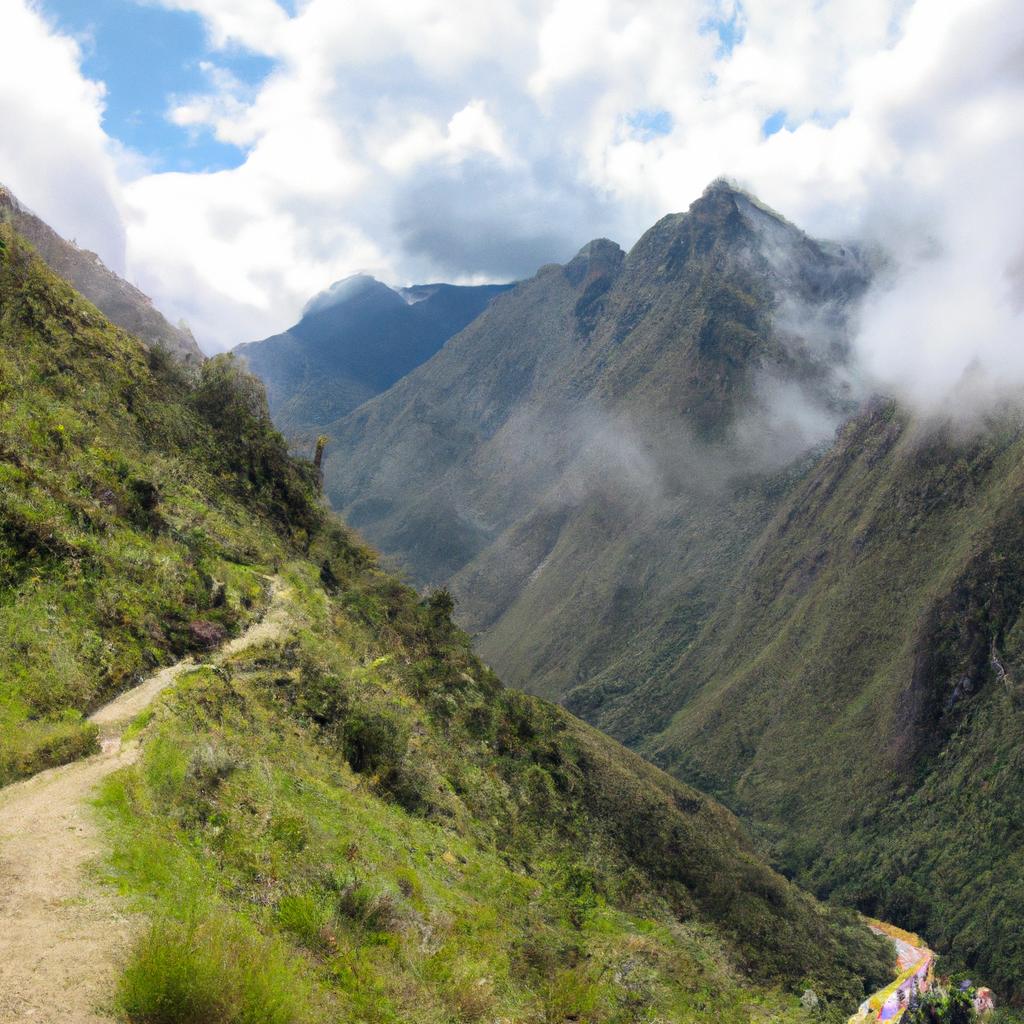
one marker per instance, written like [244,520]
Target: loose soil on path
[61,934]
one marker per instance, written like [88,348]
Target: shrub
[570,996]
[209,766]
[937,1007]
[214,971]
[308,919]
[374,739]
[374,911]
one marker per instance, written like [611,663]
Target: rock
[809,1000]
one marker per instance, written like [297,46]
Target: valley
[511,513]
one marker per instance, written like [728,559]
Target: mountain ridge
[659,493]
[355,340]
[122,302]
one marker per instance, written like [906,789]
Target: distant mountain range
[354,341]
[121,302]
[660,495]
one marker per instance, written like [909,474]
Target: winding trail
[61,933]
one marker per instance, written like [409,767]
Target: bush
[209,766]
[936,1007]
[374,739]
[307,918]
[374,911]
[570,996]
[234,403]
[212,972]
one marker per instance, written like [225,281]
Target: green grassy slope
[357,820]
[129,522]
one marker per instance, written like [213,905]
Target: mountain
[124,304]
[568,460]
[858,685]
[627,471]
[353,342]
[348,817]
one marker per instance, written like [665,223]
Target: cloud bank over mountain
[419,141]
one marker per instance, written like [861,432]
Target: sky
[234,157]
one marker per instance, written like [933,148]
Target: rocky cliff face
[121,302]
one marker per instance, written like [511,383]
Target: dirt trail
[60,933]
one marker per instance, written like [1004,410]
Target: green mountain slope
[827,641]
[857,686]
[123,508]
[355,820]
[572,462]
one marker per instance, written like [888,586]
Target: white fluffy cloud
[419,139]
[53,153]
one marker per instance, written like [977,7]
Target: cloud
[421,139]
[54,154]
[944,329]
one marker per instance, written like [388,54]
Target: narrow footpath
[62,934]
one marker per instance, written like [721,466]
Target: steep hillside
[122,303]
[353,342]
[354,819]
[857,686]
[614,470]
[123,508]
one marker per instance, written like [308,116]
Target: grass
[216,969]
[137,500]
[415,875]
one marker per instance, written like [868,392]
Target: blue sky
[147,55]
[434,140]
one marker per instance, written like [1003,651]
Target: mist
[942,329]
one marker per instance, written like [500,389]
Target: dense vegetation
[857,690]
[364,807]
[355,819]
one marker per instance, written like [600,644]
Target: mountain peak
[598,258]
[348,288]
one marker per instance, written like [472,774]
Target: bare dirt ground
[61,934]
